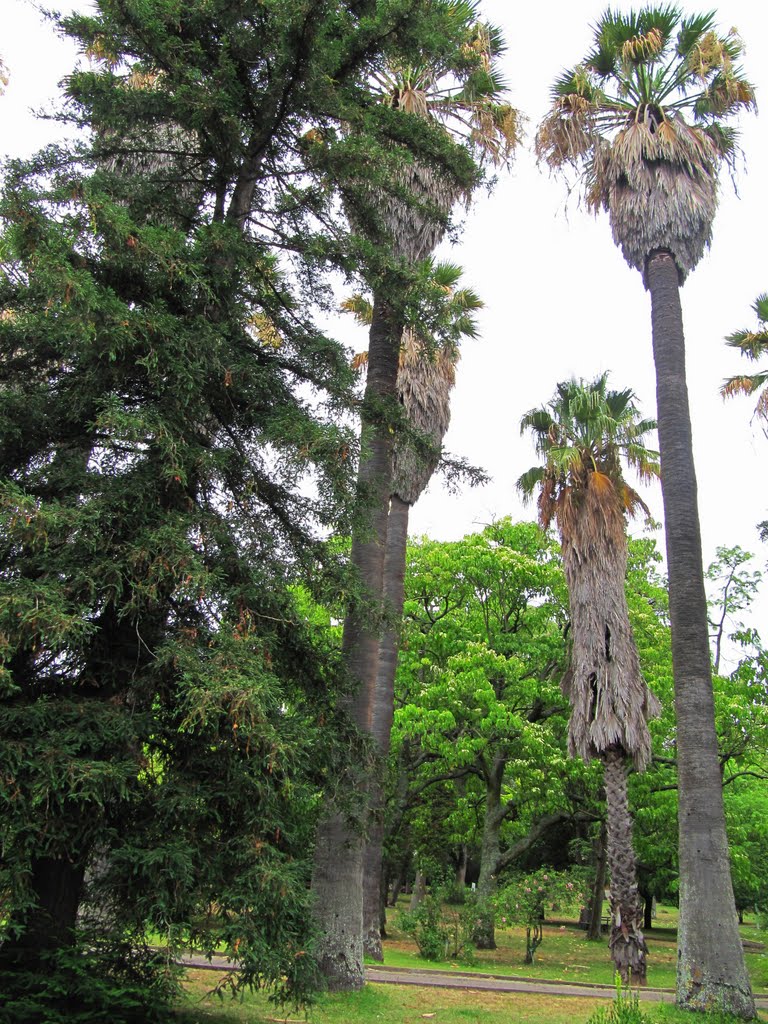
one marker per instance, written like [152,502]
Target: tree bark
[484,935]
[384,700]
[626,941]
[711,970]
[338,870]
[460,874]
[49,925]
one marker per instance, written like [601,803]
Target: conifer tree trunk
[338,870]
[711,970]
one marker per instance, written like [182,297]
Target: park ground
[565,957]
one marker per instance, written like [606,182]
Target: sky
[559,299]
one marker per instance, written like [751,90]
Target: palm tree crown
[642,118]
[582,434]
[467,101]
[752,344]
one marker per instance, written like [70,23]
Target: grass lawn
[564,955]
[405,1004]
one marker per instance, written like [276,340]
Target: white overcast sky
[560,300]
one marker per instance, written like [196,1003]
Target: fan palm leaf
[754,345]
[641,120]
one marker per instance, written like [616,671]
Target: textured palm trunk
[384,700]
[484,933]
[626,942]
[711,972]
[610,702]
[337,880]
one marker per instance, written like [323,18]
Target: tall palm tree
[425,379]
[582,436]
[461,94]
[643,121]
[753,344]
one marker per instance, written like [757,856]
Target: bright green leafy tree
[480,662]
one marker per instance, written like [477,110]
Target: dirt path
[383,975]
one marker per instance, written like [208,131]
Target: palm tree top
[465,94]
[643,121]
[582,434]
[753,344]
[646,70]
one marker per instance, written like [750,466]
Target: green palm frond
[466,96]
[360,307]
[529,481]
[753,344]
[582,435]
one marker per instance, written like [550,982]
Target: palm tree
[582,435]
[461,94]
[752,344]
[425,379]
[643,121]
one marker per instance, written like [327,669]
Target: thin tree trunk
[338,869]
[399,880]
[595,925]
[648,913]
[626,941]
[711,971]
[419,890]
[460,875]
[384,699]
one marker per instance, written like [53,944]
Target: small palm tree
[753,344]
[643,119]
[582,435]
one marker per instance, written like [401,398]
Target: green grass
[396,1004]
[565,955]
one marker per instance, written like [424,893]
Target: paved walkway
[474,980]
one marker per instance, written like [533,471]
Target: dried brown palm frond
[659,186]
[610,700]
[416,227]
[424,383]
[425,379]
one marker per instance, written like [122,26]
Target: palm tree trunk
[384,699]
[711,970]
[337,880]
[626,941]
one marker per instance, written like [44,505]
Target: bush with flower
[528,898]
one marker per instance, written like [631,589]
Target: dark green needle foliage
[170,452]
